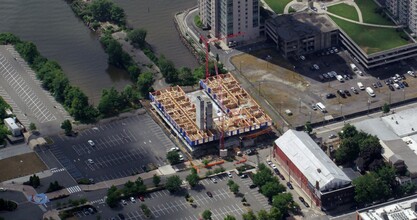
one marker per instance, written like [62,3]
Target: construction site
[219,116]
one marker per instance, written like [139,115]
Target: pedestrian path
[98,201]
[74,189]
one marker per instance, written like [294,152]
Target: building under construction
[221,111]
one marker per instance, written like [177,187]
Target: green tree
[348,131]
[282,202]
[263,215]
[168,70]
[67,126]
[308,128]
[3,133]
[193,178]
[113,196]
[385,108]
[249,216]
[140,187]
[145,210]
[206,214]
[263,176]
[32,126]
[234,188]
[173,183]
[137,37]
[229,217]
[106,10]
[59,84]
[369,188]
[27,50]
[173,157]
[144,83]
[110,103]
[156,180]
[348,151]
[275,213]
[8,38]
[272,188]
[185,77]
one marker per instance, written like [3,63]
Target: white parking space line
[16,110]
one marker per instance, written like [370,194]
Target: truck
[340,78]
[321,107]
[355,69]
[370,91]
[360,85]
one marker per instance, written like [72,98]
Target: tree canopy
[137,37]
[173,183]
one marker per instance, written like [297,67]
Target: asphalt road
[24,208]
[121,148]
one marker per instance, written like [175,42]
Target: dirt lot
[293,85]
[21,165]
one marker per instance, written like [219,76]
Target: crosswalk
[56,170]
[74,189]
[98,201]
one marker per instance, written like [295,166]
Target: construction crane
[208,41]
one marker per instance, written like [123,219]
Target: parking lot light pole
[369,105]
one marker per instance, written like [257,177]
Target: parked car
[330,95]
[354,90]
[379,84]
[281,176]
[313,106]
[304,202]
[401,85]
[91,143]
[121,216]
[325,75]
[252,186]
[316,67]
[374,85]
[411,73]
[274,166]
[276,171]
[387,82]
[132,199]
[229,175]
[347,93]
[268,162]
[141,198]
[396,85]
[174,149]
[391,87]
[346,77]
[243,176]
[209,194]
[214,180]
[341,93]
[290,185]
[124,202]
[405,83]
[90,161]
[302,57]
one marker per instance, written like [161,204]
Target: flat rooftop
[401,150]
[402,210]
[403,123]
[298,25]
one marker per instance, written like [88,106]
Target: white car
[124,202]
[411,73]
[273,166]
[316,67]
[132,199]
[3,189]
[269,162]
[302,57]
[174,149]
[91,143]
[90,161]
[229,175]
[214,180]
[181,157]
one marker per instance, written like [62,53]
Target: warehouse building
[311,169]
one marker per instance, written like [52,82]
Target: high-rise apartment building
[404,11]
[227,17]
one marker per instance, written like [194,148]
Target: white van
[361,87]
[340,78]
[370,91]
[321,107]
[355,69]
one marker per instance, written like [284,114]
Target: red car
[141,198]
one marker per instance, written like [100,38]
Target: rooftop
[402,210]
[298,25]
[310,159]
[403,123]
[398,149]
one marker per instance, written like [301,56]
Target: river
[61,36]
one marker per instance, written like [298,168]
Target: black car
[341,93]
[290,185]
[402,76]
[350,76]
[391,87]
[277,171]
[209,194]
[281,176]
[405,83]
[121,216]
[387,82]
[253,186]
[301,199]
[347,93]
[330,95]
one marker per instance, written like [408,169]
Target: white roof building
[310,159]
[403,210]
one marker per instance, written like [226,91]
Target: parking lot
[164,205]
[20,88]
[121,148]
[295,85]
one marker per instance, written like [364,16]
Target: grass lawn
[372,39]
[277,5]
[20,165]
[369,15]
[344,10]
